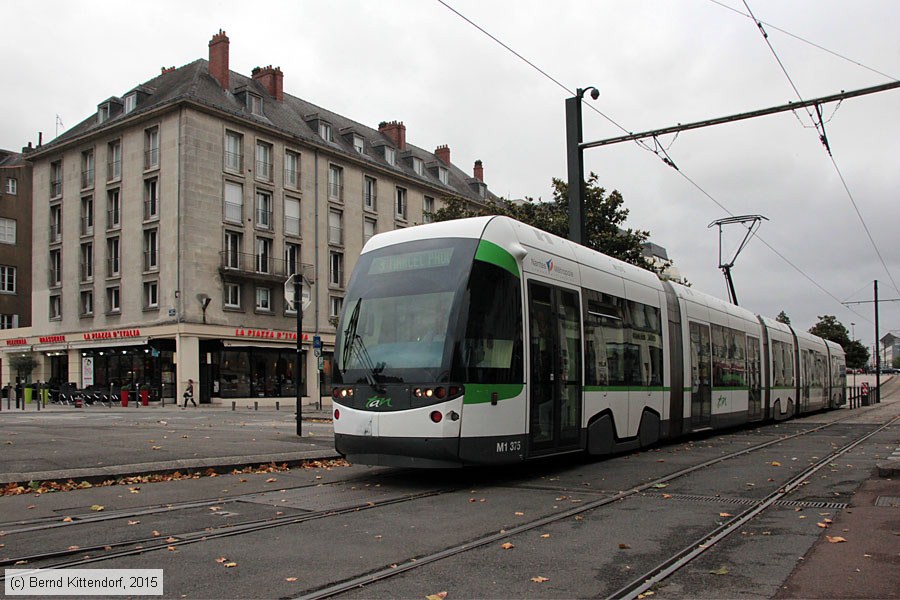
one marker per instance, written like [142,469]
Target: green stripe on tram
[480,393]
[490,252]
[626,388]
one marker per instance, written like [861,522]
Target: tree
[830,328]
[894,363]
[23,365]
[604,216]
[783,318]
[856,354]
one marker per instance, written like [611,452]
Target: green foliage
[895,363]
[830,328]
[783,318]
[604,218]
[23,364]
[857,354]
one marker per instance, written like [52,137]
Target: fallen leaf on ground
[155,533]
[775,463]
[67,520]
[96,508]
[438,596]
[133,522]
[171,540]
[624,547]
[290,579]
[724,514]
[835,539]
[519,514]
[659,486]
[666,496]
[171,548]
[228,565]
[271,480]
[221,559]
[507,546]
[719,571]
[73,548]
[540,579]
[546,535]
[822,525]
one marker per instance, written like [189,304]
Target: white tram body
[488,341]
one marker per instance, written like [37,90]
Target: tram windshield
[401,311]
[426,311]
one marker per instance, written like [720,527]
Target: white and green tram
[488,341]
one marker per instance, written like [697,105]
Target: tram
[488,341]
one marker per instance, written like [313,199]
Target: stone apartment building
[15,241]
[166,225]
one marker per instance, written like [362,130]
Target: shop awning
[14,349]
[109,343]
[50,347]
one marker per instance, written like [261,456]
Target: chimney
[272,80]
[218,58]
[443,153]
[478,171]
[394,131]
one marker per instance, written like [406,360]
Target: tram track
[135,546]
[417,562]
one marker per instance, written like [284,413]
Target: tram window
[623,342]
[492,348]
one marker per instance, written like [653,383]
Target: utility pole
[877,351]
[575,163]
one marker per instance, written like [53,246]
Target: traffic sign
[317,342]
[305,293]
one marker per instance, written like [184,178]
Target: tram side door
[701,376]
[555,369]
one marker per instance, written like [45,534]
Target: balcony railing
[151,209]
[370,200]
[264,170]
[113,170]
[291,226]
[87,271]
[254,266]
[234,161]
[263,218]
[87,179]
[55,233]
[87,225]
[55,189]
[335,190]
[151,260]
[335,235]
[113,219]
[291,178]
[233,212]
[151,158]
[113,267]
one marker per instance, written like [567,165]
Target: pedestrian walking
[189,394]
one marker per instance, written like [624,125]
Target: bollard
[255,405]
[233,404]
[277,405]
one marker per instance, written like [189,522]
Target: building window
[400,204]
[151,199]
[113,209]
[55,223]
[55,268]
[55,307]
[335,227]
[113,257]
[87,261]
[87,169]
[7,231]
[103,113]
[291,216]
[428,210]
[151,294]
[87,215]
[232,295]
[369,228]
[130,102]
[11,187]
[335,182]
[233,151]
[359,144]
[234,202]
[263,255]
[151,148]
[370,192]
[114,161]
[390,155]
[7,279]
[291,259]
[263,209]
[291,169]
[263,299]
[87,303]
[254,103]
[335,304]
[151,250]
[232,250]
[112,300]
[418,166]
[444,175]
[263,161]
[56,178]
[9,321]
[336,269]
[325,131]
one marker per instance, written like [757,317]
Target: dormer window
[359,144]
[254,103]
[130,102]
[325,131]
[390,155]
[418,166]
[444,175]
[103,113]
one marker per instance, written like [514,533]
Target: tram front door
[555,370]
[701,376]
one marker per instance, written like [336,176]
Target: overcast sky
[656,62]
